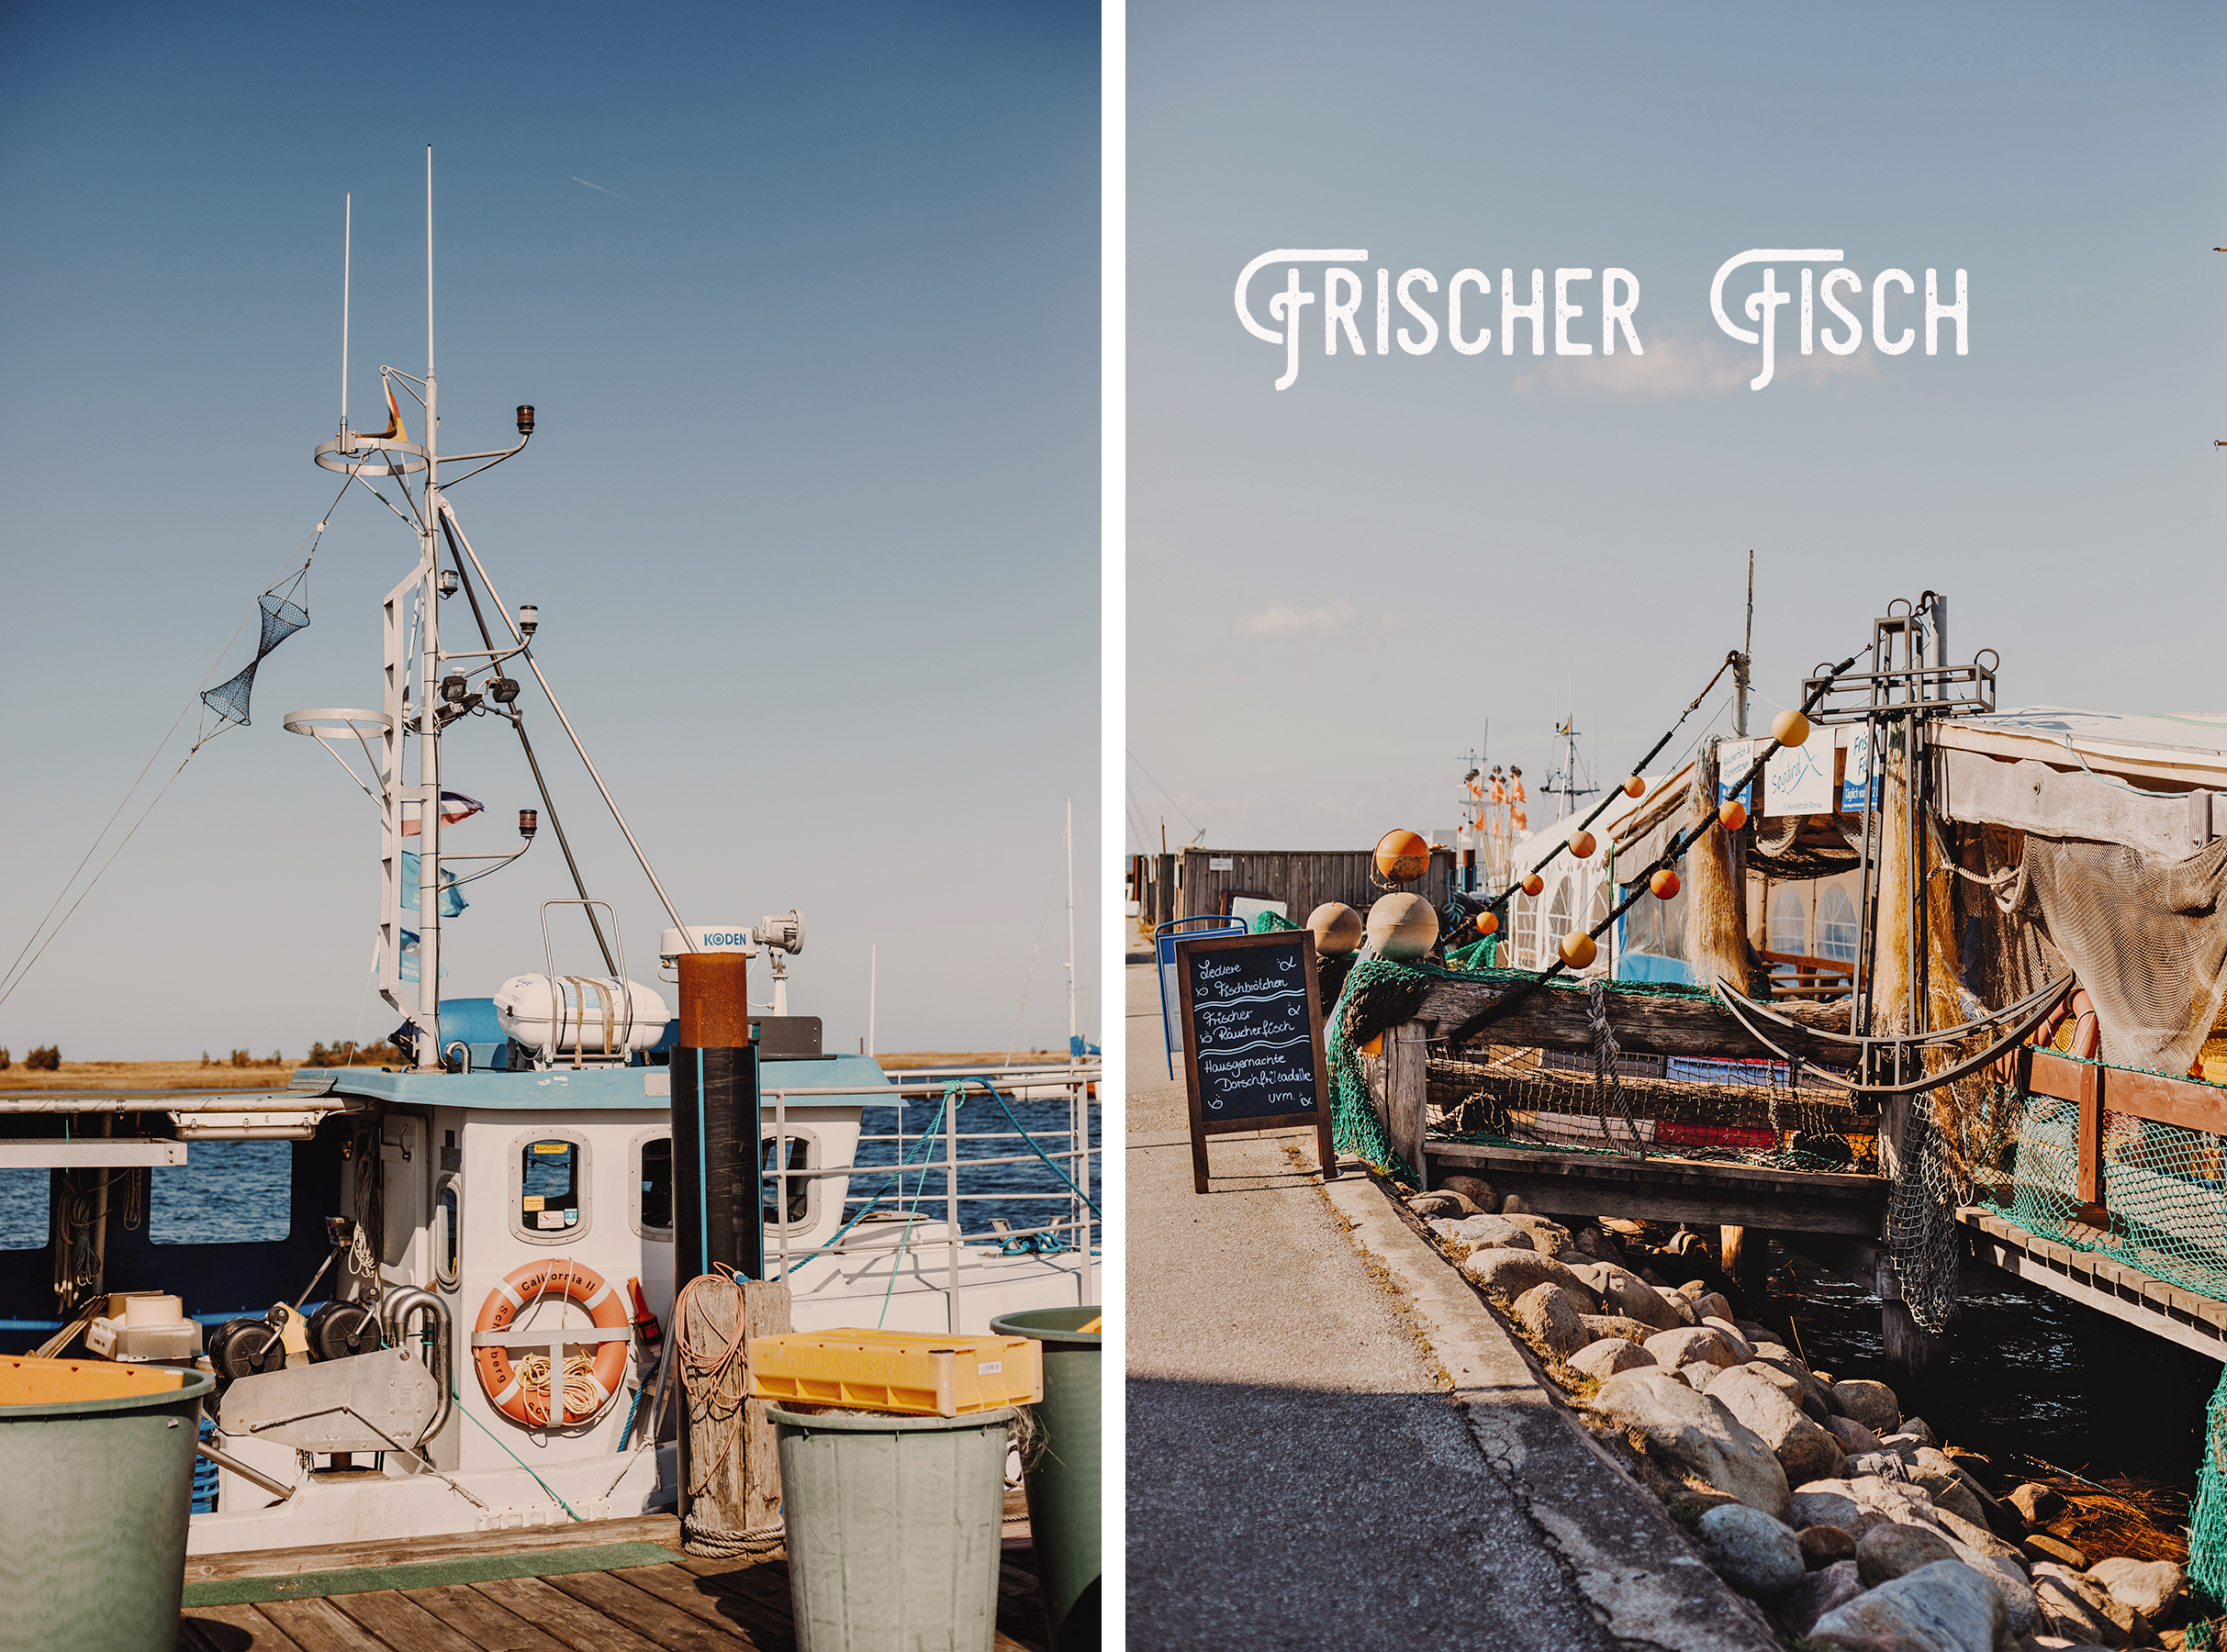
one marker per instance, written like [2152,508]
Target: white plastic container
[590,1015]
[150,1327]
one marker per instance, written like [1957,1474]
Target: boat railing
[1077,1229]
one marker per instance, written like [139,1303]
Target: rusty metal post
[715,1122]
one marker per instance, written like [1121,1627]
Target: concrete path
[1332,1443]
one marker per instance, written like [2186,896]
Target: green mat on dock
[425,1574]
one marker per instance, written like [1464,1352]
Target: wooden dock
[2099,1281]
[1663,1187]
[641,1604]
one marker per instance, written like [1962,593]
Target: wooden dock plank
[400,1622]
[395,1551]
[617,1598]
[698,1597]
[318,1625]
[232,1629]
[2099,1281]
[581,1627]
[486,1624]
[1675,1190]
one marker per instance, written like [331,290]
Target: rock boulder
[1616,1325]
[1944,1607]
[1871,1403]
[1512,1272]
[1683,1346]
[2153,1587]
[1751,1551]
[1602,1359]
[1855,1439]
[1891,1551]
[1819,1593]
[1806,1451]
[1824,1546]
[1694,1435]
[1551,1313]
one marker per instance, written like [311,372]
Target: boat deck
[385,1597]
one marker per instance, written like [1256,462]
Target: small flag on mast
[454,807]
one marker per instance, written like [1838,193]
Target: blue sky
[1334,588]
[812,518]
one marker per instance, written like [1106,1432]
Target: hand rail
[395,1313]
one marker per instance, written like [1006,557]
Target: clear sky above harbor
[811,516]
[1334,586]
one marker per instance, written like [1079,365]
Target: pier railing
[1072,1223]
[2128,1163]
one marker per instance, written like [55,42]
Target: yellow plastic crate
[898,1371]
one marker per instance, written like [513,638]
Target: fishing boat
[451,1316]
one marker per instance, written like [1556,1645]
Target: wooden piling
[1717,939]
[734,1478]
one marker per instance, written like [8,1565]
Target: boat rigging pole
[518,722]
[429,677]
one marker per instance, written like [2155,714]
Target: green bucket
[93,1521]
[1064,1515]
[894,1528]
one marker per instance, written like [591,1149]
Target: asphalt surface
[1298,1475]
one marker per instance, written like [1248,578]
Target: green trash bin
[99,1492]
[1064,1513]
[894,1528]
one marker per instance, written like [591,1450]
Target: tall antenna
[429,263]
[347,254]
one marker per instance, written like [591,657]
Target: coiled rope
[714,1378]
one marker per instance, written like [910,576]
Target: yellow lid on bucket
[26,1379]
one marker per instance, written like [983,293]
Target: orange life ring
[506,1390]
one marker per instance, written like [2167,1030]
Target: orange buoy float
[1663,884]
[1578,949]
[1734,814]
[1790,728]
[1533,884]
[1401,856]
[1635,787]
[506,1390]
[1581,845]
[1488,923]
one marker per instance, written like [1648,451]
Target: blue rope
[927,1136]
[513,1456]
[958,1084]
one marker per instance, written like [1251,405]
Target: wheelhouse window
[794,1206]
[653,1187]
[550,1197]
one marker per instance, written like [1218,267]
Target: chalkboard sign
[1252,1039]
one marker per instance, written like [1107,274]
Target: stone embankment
[1851,1526]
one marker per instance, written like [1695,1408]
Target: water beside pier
[2022,1373]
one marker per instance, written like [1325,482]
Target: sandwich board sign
[1252,1039]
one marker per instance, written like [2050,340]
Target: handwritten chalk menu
[1252,1039]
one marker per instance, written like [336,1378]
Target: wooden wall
[1303,880]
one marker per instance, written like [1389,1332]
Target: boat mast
[429,677]
[1072,1052]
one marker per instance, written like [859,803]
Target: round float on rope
[1533,884]
[1402,927]
[1734,814]
[1577,949]
[1488,923]
[1790,728]
[1663,884]
[1635,787]
[1581,845]
[1337,929]
[1401,856]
